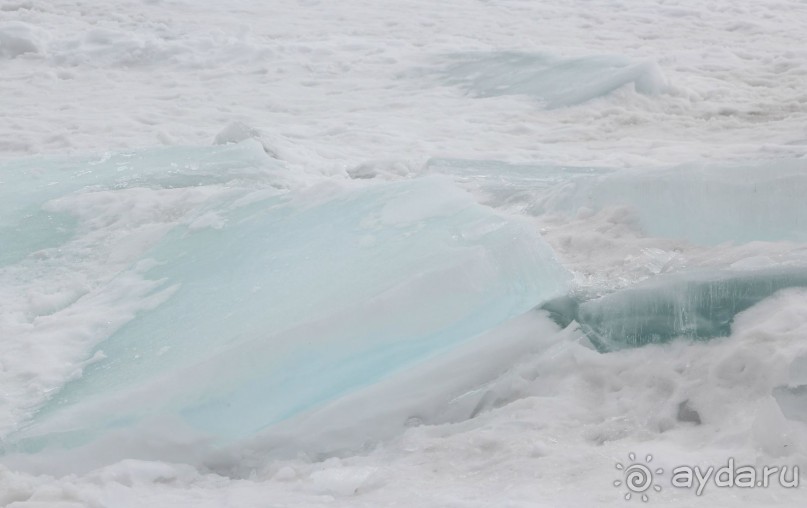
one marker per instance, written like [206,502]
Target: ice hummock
[273,302]
[697,306]
[706,204]
[556,82]
[216,297]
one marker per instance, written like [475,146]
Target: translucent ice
[704,204]
[697,306]
[554,81]
[277,301]
[73,232]
[708,205]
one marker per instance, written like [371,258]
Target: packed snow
[460,253]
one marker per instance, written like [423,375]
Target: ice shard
[697,306]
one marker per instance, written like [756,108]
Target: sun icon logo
[638,477]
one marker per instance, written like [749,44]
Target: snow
[351,74]
[18,39]
[413,171]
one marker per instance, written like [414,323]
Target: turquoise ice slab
[299,297]
[27,184]
[706,204]
[710,204]
[696,305]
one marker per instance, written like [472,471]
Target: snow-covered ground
[343,83]
[342,299]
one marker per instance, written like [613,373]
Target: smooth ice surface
[556,82]
[709,204]
[696,306]
[72,235]
[706,204]
[274,302]
[28,223]
[459,383]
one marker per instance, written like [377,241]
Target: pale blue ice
[556,82]
[287,299]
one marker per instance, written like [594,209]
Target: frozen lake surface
[460,254]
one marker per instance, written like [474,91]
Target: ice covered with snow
[363,204]
[260,302]
[705,204]
[553,81]
[710,204]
